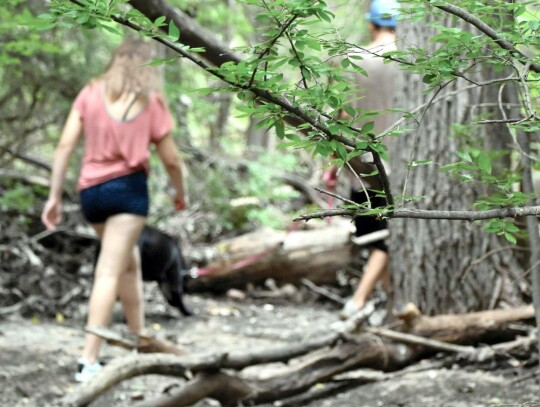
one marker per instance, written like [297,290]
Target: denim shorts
[126,194]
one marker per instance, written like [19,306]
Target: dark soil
[38,357]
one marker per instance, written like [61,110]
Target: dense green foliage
[297,59]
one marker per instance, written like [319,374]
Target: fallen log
[285,256]
[315,361]
[483,326]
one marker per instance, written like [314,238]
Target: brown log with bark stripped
[315,361]
[284,256]
[470,328]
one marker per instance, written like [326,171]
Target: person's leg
[377,264]
[130,291]
[376,269]
[119,235]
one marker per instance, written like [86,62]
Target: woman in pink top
[119,115]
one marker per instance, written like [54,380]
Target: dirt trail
[37,359]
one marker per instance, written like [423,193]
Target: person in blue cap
[383,13]
[373,93]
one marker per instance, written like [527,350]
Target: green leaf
[367,127]
[349,110]
[174,32]
[511,238]
[280,129]
[484,162]
[429,78]
[159,21]
[341,151]
[323,149]
[465,156]
[362,145]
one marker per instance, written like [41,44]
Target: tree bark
[431,259]
[191,33]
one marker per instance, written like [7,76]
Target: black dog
[162,261]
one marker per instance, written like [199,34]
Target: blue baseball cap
[383,13]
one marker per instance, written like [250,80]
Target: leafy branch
[485,28]
[302,115]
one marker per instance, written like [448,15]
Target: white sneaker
[85,370]
[349,309]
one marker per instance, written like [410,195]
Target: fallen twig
[418,340]
[322,291]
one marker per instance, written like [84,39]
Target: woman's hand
[52,213]
[179,202]
[330,177]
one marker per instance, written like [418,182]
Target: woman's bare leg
[130,291]
[119,235]
[376,269]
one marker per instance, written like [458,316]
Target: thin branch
[503,121]
[295,51]
[444,97]
[30,160]
[528,271]
[527,96]
[378,54]
[487,30]
[272,43]
[322,191]
[480,259]
[418,340]
[322,291]
[471,216]
[511,130]
[383,176]
[416,141]
[364,189]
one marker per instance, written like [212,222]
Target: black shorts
[126,194]
[369,224]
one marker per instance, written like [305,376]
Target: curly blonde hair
[128,71]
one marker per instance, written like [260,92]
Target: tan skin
[118,271]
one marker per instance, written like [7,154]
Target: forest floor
[38,357]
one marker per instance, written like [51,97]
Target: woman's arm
[168,153]
[52,212]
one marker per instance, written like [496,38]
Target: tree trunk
[256,138]
[193,34]
[440,265]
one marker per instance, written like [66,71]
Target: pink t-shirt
[114,148]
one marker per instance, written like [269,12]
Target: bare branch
[416,141]
[509,212]
[418,340]
[322,191]
[368,199]
[503,121]
[444,97]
